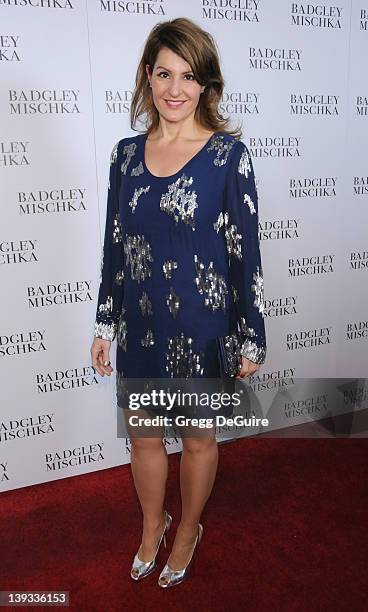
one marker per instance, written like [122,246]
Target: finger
[249,371]
[97,366]
[94,359]
[97,360]
[244,372]
[104,360]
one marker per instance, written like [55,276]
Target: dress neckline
[154,176]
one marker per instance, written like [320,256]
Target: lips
[175,103]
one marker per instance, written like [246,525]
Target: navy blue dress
[181,261]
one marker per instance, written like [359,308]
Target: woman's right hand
[100,351]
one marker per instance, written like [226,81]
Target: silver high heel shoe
[141,569]
[169,577]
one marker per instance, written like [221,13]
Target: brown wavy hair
[198,48]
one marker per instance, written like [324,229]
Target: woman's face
[175,91]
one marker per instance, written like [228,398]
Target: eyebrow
[185,72]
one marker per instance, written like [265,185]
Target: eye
[187,76]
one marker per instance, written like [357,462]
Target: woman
[181,266]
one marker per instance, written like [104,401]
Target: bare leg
[198,469]
[149,465]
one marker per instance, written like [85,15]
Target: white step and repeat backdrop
[295,78]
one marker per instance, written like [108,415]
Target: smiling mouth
[174,103]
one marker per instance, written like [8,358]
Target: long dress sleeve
[111,288]
[242,240]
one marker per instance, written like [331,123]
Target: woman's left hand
[248,368]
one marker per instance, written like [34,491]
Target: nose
[174,87]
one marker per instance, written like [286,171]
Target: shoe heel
[173,577]
[141,569]
[167,526]
[200,532]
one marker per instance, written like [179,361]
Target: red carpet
[285,529]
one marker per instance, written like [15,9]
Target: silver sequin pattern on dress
[137,193]
[211,284]
[220,222]
[121,334]
[233,241]
[168,266]
[181,360]
[116,232]
[105,331]
[252,351]
[138,254]
[244,163]
[180,202]
[247,200]
[173,302]
[107,306]
[119,277]
[232,236]
[129,151]
[244,168]
[258,289]
[247,331]
[148,339]
[222,149]
[137,170]
[145,304]
[235,293]
[114,154]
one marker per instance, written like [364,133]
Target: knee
[196,446]
[143,445]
